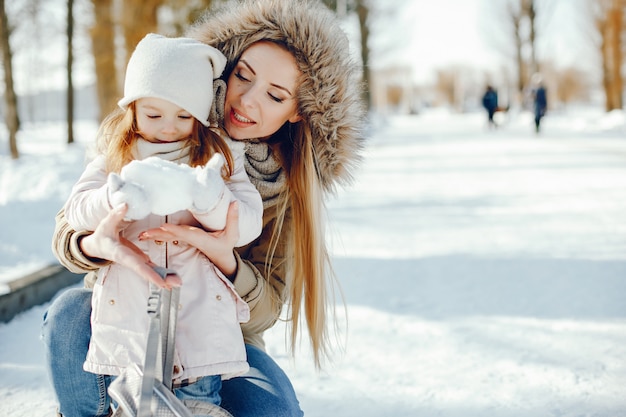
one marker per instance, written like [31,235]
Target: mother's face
[260,96]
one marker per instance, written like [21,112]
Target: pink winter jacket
[208,338]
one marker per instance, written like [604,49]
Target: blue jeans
[264,391]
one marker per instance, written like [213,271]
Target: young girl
[168,94]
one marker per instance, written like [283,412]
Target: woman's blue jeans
[264,391]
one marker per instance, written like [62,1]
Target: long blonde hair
[301,215]
[118,133]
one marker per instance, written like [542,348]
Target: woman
[293,100]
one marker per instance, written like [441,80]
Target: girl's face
[260,96]
[160,120]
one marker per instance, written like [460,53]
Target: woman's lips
[240,120]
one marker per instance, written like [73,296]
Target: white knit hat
[179,70]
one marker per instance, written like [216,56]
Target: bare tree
[70,61]
[362,9]
[529,10]
[616,17]
[447,84]
[609,22]
[516,15]
[521,32]
[363,13]
[103,46]
[10,98]
[139,17]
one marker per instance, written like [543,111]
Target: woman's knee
[69,311]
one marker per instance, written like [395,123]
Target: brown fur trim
[330,94]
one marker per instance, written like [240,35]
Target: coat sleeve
[66,247]
[88,202]
[238,188]
[86,206]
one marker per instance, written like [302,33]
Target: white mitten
[121,191]
[210,187]
[155,185]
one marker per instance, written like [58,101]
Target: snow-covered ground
[484,272]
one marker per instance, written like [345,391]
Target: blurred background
[65,59]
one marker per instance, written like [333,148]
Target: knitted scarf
[264,171]
[172,151]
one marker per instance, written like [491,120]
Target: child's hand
[106,243]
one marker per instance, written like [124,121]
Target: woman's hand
[106,243]
[217,246]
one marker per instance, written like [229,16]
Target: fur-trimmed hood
[330,95]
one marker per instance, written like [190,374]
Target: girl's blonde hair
[118,132]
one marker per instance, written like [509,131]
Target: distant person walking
[490,103]
[540,100]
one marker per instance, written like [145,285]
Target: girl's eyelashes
[156,116]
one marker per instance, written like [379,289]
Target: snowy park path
[484,274]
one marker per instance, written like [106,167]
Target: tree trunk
[615,18]
[363,12]
[139,17]
[103,45]
[609,15]
[516,20]
[10,98]
[531,12]
[606,73]
[70,61]
[609,23]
